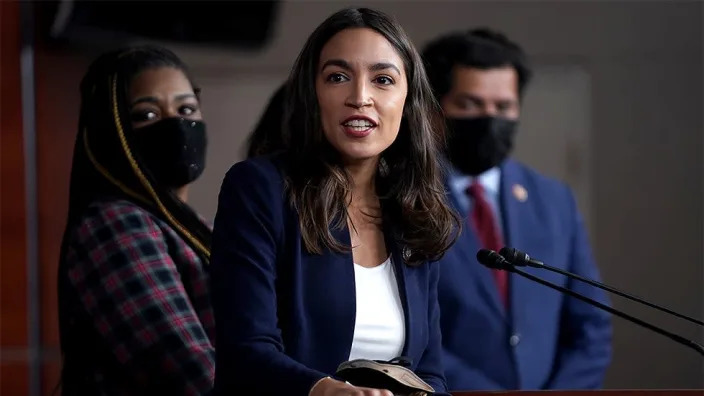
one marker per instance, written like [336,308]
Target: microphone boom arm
[620,293]
[518,258]
[697,347]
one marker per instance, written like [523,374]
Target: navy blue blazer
[547,340]
[285,317]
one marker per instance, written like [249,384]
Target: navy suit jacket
[285,317]
[546,340]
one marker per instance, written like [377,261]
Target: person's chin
[360,155]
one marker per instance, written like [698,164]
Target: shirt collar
[489,179]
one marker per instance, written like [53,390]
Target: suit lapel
[520,231]
[467,246]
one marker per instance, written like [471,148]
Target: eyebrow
[152,99]
[466,96]
[375,67]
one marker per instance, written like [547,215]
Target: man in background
[503,331]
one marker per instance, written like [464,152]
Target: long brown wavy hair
[408,180]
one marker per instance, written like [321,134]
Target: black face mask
[173,149]
[479,144]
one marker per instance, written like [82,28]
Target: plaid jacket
[142,293]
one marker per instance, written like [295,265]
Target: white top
[379,329]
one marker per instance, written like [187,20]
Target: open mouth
[358,126]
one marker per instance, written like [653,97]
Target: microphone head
[514,256]
[492,259]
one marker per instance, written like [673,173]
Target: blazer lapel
[332,300]
[401,272]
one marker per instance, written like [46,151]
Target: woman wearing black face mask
[135,315]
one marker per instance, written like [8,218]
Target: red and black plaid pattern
[145,291]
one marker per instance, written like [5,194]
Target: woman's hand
[331,387]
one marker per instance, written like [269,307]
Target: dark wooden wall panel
[58,72]
[13,249]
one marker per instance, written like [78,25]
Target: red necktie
[484,223]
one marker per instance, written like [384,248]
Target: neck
[363,176]
[182,193]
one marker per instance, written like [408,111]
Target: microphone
[491,259]
[521,259]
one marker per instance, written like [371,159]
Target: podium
[605,392]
